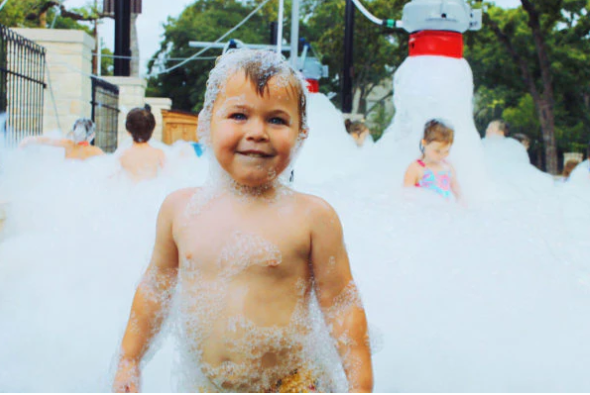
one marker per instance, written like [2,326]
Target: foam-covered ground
[489,297]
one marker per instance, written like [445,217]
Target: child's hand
[127,377]
[26,141]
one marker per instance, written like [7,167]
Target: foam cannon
[436,27]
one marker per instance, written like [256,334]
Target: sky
[155,13]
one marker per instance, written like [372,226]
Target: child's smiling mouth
[255,154]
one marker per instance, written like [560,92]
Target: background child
[77,145]
[432,171]
[245,256]
[141,161]
[359,132]
[568,168]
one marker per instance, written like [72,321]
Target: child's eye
[238,116]
[278,121]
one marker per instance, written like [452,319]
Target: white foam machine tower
[436,27]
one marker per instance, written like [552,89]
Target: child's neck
[429,162]
[265,191]
[140,144]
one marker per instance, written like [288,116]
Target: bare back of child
[141,161]
[76,146]
[245,255]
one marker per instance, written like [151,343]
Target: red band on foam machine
[436,43]
[313,86]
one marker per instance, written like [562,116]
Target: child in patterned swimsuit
[246,257]
[432,171]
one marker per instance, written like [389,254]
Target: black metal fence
[105,113]
[22,85]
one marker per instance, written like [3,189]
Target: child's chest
[231,241]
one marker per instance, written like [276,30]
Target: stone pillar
[158,104]
[69,66]
[131,95]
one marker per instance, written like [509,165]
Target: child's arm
[339,298]
[150,303]
[42,140]
[411,175]
[455,186]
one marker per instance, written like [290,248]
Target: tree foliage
[501,89]
[376,52]
[503,92]
[204,20]
[52,14]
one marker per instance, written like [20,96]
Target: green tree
[541,50]
[377,53]
[43,13]
[53,14]
[204,20]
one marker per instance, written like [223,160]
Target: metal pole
[295,33]
[280,30]
[99,52]
[122,37]
[273,34]
[347,71]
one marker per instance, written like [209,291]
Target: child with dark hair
[141,161]
[359,132]
[570,165]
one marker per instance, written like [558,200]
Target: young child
[569,167]
[77,145]
[359,132]
[245,256]
[432,171]
[141,161]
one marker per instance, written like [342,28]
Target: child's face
[436,151]
[253,136]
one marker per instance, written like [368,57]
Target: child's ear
[304,133]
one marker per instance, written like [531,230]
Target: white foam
[492,297]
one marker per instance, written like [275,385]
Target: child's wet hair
[140,123]
[258,66]
[570,165]
[357,127]
[82,130]
[439,131]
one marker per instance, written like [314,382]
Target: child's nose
[257,131]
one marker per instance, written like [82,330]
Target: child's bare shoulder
[415,166]
[177,201]
[316,207]
[96,150]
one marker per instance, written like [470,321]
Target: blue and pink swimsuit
[438,182]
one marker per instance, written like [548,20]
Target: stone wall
[69,90]
[69,66]
[158,104]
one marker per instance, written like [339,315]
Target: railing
[22,85]
[105,114]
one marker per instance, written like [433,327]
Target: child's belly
[244,338]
